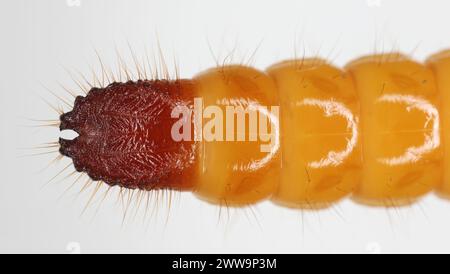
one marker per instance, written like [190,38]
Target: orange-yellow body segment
[321,148]
[440,64]
[234,170]
[400,128]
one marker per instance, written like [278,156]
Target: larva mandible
[371,130]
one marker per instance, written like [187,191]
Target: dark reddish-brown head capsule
[125,135]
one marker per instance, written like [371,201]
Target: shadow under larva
[302,133]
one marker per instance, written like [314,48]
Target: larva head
[125,135]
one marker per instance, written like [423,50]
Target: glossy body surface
[234,169]
[304,134]
[400,123]
[321,150]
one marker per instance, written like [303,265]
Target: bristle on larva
[303,133]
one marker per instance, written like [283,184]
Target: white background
[40,38]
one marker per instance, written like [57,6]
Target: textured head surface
[125,135]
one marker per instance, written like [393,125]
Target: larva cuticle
[311,134]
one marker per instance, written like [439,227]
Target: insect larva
[371,130]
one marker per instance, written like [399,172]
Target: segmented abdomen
[375,130]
